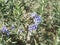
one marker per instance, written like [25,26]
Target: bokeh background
[14,14]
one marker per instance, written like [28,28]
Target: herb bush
[29,22]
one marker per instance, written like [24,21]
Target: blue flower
[5,30]
[37,20]
[33,14]
[32,27]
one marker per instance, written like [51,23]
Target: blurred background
[17,22]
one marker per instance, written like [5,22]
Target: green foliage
[17,12]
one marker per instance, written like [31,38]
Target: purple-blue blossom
[5,30]
[33,14]
[37,19]
[32,27]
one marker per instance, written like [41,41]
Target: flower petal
[32,27]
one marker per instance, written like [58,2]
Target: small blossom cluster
[5,30]
[36,19]
[32,27]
